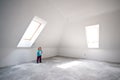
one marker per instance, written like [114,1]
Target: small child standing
[39,55]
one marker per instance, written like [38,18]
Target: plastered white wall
[73,41]
[14,56]
[64,32]
[15,16]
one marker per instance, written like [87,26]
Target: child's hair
[39,48]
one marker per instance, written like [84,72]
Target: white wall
[73,41]
[15,16]
[12,56]
[64,32]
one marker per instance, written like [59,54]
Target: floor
[61,68]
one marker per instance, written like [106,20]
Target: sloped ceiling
[15,16]
[74,9]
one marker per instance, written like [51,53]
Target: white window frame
[34,29]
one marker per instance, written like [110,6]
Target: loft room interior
[79,39]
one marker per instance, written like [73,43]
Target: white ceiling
[84,8]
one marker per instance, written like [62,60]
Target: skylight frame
[28,39]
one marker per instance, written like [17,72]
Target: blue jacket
[39,52]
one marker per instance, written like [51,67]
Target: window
[92,34]
[32,32]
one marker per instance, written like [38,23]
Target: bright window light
[92,34]
[32,32]
[68,65]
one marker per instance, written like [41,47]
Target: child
[39,55]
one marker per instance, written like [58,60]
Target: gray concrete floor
[60,68]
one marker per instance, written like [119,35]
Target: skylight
[92,34]
[34,29]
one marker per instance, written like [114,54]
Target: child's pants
[39,59]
